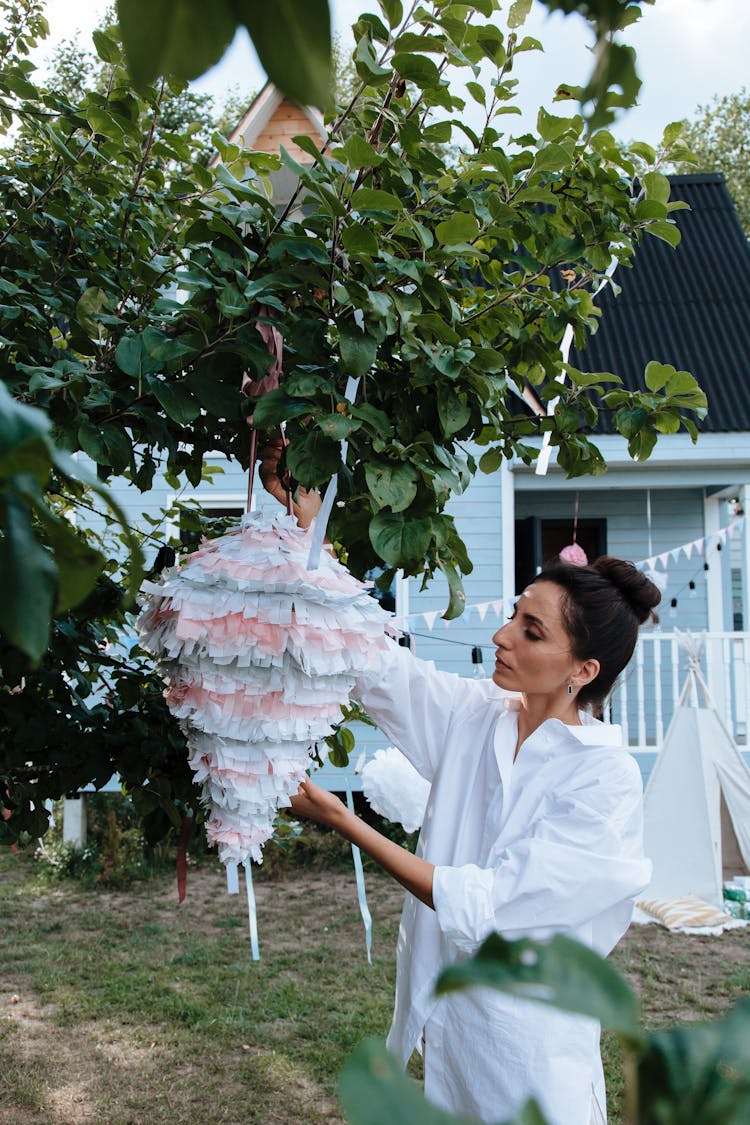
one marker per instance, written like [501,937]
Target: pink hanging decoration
[274,342]
[258,653]
[574,554]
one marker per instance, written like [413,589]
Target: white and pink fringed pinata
[258,653]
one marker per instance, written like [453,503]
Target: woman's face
[534,649]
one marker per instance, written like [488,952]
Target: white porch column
[508,514]
[715,606]
[74,821]
[744,498]
[714,578]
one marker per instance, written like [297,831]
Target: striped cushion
[684,913]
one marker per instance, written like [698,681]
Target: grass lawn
[124,1007]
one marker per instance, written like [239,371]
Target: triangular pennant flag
[723,535]
[482,610]
[699,544]
[497,606]
[688,549]
[676,553]
[663,558]
[430,618]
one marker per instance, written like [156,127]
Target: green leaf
[417,69]
[518,13]
[360,239]
[551,158]
[175,398]
[78,564]
[551,127]
[277,406]
[491,460]
[391,486]
[657,186]
[231,302]
[92,302]
[358,350]
[313,459]
[337,426]
[454,413]
[107,48]
[666,231]
[373,199]
[28,579]
[629,421]
[173,36]
[399,540]
[698,1071]
[394,11]
[657,375]
[19,423]
[560,972]
[477,92]
[374,1089]
[460,228]
[457,597]
[358,153]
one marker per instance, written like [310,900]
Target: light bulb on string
[691,588]
[477,664]
[673,607]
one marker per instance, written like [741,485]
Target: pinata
[258,653]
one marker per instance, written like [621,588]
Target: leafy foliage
[134,279]
[719,138]
[93,708]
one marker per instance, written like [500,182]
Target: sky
[688,51]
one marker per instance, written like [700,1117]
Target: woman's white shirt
[550,843]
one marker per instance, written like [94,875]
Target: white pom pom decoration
[258,654]
[394,789]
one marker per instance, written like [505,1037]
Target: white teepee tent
[698,775]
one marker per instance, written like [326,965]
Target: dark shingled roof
[688,306]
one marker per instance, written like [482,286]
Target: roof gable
[688,306]
[271,120]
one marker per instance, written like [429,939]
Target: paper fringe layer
[258,654]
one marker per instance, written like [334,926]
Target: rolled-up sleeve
[574,864]
[414,704]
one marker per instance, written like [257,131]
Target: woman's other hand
[306,503]
[314,803]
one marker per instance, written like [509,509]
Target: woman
[533,827]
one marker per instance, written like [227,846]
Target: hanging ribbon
[360,878]
[252,912]
[321,522]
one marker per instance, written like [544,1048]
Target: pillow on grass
[686,913]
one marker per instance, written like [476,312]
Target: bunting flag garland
[258,653]
[694,546]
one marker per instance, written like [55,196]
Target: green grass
[130,1008]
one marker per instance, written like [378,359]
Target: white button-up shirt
[550,843]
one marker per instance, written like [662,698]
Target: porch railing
[645,699]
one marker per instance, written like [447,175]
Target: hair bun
[639,592]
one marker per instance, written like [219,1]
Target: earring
[570,689]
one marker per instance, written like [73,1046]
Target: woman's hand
[318,804]
[306,503]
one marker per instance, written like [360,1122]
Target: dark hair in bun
[604,604]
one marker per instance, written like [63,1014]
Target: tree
[719,138]
[135,278]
